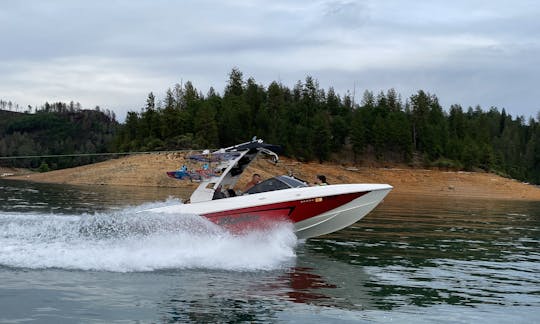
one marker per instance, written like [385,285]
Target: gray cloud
[346,14]
[112,53]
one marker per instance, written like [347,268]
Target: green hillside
[55,130]
[309,122]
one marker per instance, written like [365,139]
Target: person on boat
[320,180]
[218,194]
[255,179]
[231,193]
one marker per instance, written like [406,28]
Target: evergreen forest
[55,129]
[311,124]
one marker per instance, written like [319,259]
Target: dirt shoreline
[149,170]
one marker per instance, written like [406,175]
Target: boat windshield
[276,183]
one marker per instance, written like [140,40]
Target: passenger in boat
[231,193]
[320,180]
[255,179]
[218,194]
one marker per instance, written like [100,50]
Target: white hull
[341,217]
[320,220]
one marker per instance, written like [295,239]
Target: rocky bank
[149,170]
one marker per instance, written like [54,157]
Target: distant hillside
[8,113]
[6,116]
[55,130]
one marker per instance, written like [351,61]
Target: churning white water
[129,240]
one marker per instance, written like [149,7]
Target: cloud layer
[112,53]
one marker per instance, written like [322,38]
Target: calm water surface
[87,254]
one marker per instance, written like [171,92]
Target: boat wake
[131,240]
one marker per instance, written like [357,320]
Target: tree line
[313,124]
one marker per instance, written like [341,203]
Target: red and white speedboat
[313,211]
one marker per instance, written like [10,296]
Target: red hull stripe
[293,211]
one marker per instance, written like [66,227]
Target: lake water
[83,254]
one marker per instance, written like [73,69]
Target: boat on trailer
[313,210]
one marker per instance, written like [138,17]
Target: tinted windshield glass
[268,185]
[292,182]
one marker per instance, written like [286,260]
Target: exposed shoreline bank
[149,170]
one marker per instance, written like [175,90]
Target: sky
[112,53]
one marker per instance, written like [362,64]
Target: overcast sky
[112,53]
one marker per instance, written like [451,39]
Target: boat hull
[341,217]
[313,211]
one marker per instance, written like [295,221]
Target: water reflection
[426,252]
[263,296]
[22,196]
[413,256]
[211,296]
[304,285]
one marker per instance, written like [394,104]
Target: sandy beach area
[149,170]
